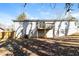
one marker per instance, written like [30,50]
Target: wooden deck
[42,47]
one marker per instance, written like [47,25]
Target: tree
[22,16]
[22,25]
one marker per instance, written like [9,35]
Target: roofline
[1,28]
[43,20]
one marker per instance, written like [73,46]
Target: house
[45,28]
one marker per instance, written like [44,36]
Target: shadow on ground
[39,47]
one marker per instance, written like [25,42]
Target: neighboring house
[1,29]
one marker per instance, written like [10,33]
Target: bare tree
[22,16]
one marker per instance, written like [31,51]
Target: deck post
[44,30]
[58,32]
[53,29]
[67,28]
[37,29]
[30,31]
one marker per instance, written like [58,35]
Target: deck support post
[44,30]
[58,32]
[37,29]
[54,30]
[67,28]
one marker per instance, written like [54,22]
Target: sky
[10,11]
